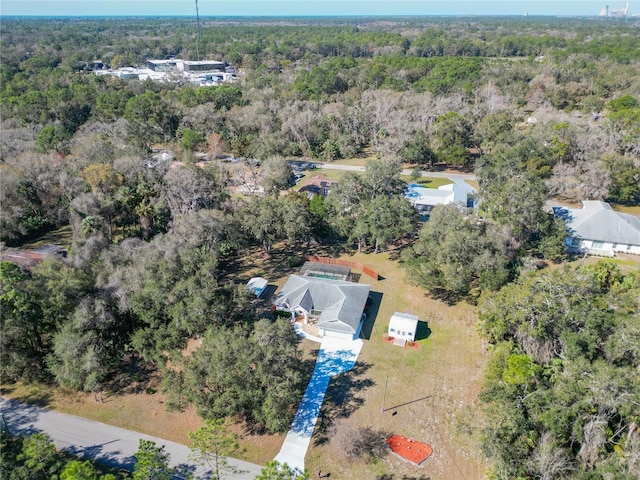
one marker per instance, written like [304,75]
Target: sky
[308,7]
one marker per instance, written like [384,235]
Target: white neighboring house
[424,199]
[598,230]
[248,189]
[337,305]
[403,326]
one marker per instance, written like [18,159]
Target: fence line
[344,263]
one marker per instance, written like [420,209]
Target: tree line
[391,96]
[561,390]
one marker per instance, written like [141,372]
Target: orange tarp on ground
[409,449]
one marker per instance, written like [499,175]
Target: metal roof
[406,320]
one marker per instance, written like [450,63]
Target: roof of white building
[598,221]
[257,285]
[209,76]
[445,194]
[404,320]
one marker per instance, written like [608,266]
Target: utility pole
[199,37]
[384,397]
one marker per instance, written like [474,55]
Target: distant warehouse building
[196,72]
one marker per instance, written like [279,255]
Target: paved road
[107,444]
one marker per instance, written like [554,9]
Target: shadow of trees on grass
[275,264]
[39,399]
[343,398]
[137,376]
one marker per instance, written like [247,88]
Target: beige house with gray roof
[336,305]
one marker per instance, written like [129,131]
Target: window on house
[597,245]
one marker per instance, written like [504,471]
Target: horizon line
[344,15]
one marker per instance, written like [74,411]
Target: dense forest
[538,108]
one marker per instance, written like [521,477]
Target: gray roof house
[337,305]
[599,230]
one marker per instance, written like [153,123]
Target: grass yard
[427,182]
[430,389]
[626,262]
[60,236]
[474,184]
[140,412]
[634,210]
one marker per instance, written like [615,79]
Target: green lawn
[633,210]
[427,182]
[60,236]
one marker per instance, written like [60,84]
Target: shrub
[294,261]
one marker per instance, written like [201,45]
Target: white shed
[257,285]
[403,326]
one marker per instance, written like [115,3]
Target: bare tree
[549,460]
[632,451]
[359,442]
[593,438]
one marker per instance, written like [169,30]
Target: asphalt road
[104,443]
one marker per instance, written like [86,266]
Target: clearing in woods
[431,390]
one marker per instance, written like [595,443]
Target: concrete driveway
[336,356]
